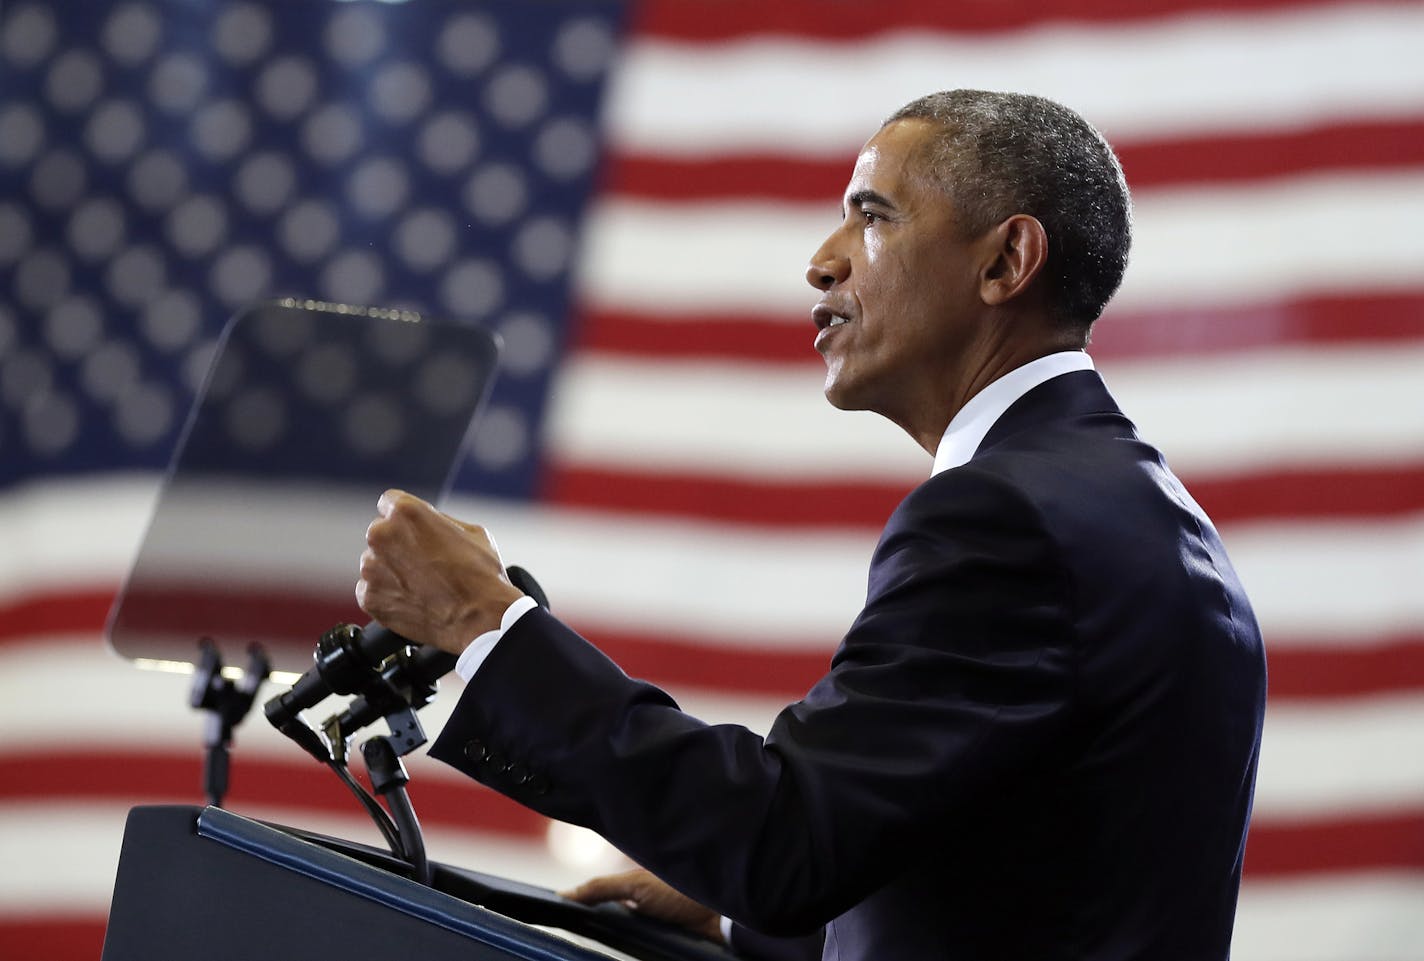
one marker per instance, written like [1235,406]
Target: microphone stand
[392,680]
[406,683]
[226,704]
[392,690]
[389,778]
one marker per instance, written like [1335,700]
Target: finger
[390,527]
[609,887]
[592,891]
[371,601]
[392,499]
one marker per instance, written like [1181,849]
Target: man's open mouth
[824,317]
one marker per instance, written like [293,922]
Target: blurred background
[629,193]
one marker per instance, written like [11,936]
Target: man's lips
[825,317]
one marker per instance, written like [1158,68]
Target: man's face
[899,285]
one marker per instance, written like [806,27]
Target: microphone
[346,656]
[525,581]
[350,658]
[416,675]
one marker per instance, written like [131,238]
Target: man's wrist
[478,649]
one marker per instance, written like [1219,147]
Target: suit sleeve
[954,680]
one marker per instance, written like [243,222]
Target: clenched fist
[429,577]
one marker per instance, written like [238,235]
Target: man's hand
[646,894]
[430,577]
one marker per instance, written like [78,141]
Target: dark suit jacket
[1038,740]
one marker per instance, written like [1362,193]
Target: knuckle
[396,502]
[378,531]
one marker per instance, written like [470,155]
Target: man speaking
[1038,740]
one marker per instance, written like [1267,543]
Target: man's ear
[1015,252]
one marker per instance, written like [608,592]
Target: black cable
[404,814]
[378,813]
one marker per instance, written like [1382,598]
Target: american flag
[629,195]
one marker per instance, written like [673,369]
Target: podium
[207,883]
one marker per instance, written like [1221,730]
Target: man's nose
[827,267]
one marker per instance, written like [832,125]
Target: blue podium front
[207,883]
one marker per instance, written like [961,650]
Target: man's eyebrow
[865,196]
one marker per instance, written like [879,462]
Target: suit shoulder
[982,489]
[966,512]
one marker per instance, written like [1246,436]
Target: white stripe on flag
[1168,76]
[1371,916]
[1197,246]
[741,420]
[615,571]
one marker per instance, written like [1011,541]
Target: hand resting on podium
[643,892]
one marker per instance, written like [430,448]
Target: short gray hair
[1006,153]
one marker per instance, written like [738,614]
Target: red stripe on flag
[1305,493]
[812,20]
[1297,670]
[1362,146]
[245,610]
[1161,334]
[760,339]
[1357,842]
[53,937]
[301,784]
[285,616]
[711,666]
[723,499]
[46,613]
[1386,665]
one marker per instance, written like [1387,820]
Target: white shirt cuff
[725,923]
[474,655]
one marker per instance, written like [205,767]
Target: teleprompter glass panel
[309,411]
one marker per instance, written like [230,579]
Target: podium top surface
[363,880]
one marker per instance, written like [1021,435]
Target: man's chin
[841,396]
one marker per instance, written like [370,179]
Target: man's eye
[870,216]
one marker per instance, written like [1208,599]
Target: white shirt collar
[968,428]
